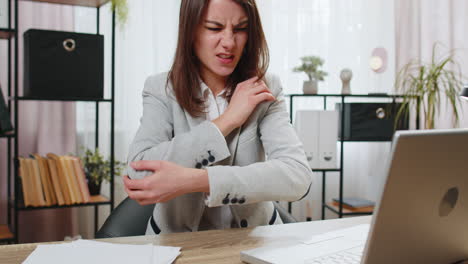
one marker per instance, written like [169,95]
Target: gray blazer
[260,162]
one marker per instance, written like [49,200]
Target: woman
[199,153]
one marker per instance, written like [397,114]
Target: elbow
[132,173]
[301,183]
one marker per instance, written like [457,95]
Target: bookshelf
[10,231]
[341,98]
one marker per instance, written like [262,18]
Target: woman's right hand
[246,97]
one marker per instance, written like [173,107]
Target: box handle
[69,45]
[380,113]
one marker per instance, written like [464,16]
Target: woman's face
[220,38]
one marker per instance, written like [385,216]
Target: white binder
[328,136]
[318,131]
[3,14]
[306,124]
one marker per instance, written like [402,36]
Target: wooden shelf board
[7,134]
[88,3]
[347,211]
[6,33]
[95,200]
[99,199]
[5,233]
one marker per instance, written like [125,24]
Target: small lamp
[464,93]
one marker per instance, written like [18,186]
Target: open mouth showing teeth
[226,56]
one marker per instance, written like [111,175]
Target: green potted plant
[429,82]
[120,7]
[98,169]
[311,66]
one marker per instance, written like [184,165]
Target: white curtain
[342,32]
[420,24]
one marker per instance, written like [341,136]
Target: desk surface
[217,246]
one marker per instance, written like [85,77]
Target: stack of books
[53,180]
[353,204]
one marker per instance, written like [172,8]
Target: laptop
[422,215]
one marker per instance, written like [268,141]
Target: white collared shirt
[215,105]
[215,217]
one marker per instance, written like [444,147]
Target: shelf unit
[16,205]
[339,210]
[7,34]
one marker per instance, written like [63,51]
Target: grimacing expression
[220,38]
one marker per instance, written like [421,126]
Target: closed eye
[214,29]
[240,29]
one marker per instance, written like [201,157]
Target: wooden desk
[218,246]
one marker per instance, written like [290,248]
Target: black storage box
[371,121]
[63,65]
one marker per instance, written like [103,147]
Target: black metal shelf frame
[21,207]
[343,97]
[14,205]
[7,34]
[71,99]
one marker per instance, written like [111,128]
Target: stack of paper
[87,251]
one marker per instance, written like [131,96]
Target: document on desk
[89,252]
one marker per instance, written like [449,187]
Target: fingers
[151,165]
[144,197]
[135,184]
[136,194]
[259,88]
[250,81]
[262,93]
[141,197]
[265,96]
[144,202]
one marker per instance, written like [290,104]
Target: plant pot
[94,189]
[310,87]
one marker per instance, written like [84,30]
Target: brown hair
[184,73]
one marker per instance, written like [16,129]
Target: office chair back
[128,219]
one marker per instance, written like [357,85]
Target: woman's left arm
[285,176]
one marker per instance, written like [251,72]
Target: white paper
[163,255]
[87,251]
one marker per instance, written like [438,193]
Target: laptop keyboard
[352,255]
